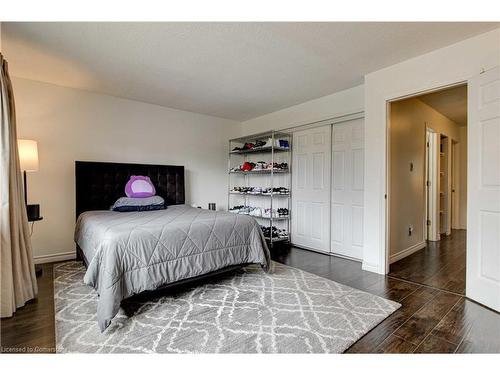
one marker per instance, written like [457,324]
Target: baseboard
[311,249]
[404,253]
[346,257]
[59,257]
[365,266]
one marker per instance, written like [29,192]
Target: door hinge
[385,196]
[428,222]
[428,183]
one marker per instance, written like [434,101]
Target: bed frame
[100,184]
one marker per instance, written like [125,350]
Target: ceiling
[450,102]
[231,70]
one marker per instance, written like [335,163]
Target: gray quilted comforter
[130,252]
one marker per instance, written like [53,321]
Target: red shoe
[248,146]
[247,166]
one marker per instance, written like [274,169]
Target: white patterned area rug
[244,311]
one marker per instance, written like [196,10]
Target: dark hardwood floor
[31,329]
[440,264]
[429,321]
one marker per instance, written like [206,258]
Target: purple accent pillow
[139,187]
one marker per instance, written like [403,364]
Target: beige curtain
[17,271]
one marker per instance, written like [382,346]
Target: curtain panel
[17,272]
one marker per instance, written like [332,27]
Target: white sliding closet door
[311,188]
[347,188]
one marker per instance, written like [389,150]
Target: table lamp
[28,157]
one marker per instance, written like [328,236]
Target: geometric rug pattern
[242,311]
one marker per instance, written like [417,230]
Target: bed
[127,253]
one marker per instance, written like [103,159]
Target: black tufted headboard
[99,185]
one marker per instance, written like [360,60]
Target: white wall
[72,124]
[408,121]
[452,64]
[338,104]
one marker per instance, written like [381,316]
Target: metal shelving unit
[259,194]
[266,178]
[262,171]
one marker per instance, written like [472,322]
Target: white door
[432,182]
[311,188]
[347,188]
[483,189]
[455,185]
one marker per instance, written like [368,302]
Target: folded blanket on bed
[131,252]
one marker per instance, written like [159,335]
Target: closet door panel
[348,186]
[311,188]
[318,170]
[301,214]
[337,227]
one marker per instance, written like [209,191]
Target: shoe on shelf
[259,144]
[256,190]
[247,166]
[282,233]
[268,213]
[283,190]
[283,211]
[255,211]
[248,146]
[260,166]
[236,209]
[283,143]
[268,143]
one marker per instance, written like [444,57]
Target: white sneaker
[269,143]
[259,166]
[256,211]
[268,213]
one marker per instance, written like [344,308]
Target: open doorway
[428,189]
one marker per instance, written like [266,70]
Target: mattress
[131,252]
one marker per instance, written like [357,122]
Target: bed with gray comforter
[131,252]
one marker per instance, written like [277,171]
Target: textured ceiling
[451,102]
[231,70]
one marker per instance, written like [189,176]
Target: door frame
[385,199]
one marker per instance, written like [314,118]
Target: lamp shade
[28,155]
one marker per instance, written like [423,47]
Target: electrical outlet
[410,230]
